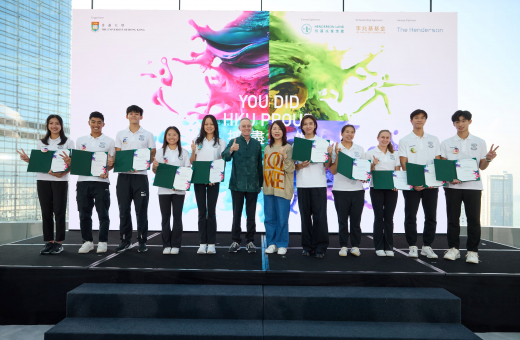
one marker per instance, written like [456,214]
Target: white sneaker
[413,252]
[174,251]
[380,253]
[86,247]
[211,249]
[167,251]
[343,251]
[355,251]
[389,253]
[472,257]
[271,249]
[452,254]
[102,247]
[428,252]
[202,249]
[282,251]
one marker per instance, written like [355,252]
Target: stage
[35,286]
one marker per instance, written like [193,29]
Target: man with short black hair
[464,145]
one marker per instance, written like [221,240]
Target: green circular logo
[306,29]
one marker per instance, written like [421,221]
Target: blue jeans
[276,210]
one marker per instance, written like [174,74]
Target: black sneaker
[319,255]
[250,247]
[307,253]
[142,247]
[56,248]
[47,248]
[124,245]
[234,247]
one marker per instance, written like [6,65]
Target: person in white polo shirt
[133,185]
[383,157]
[464,145]
[207,147]
[94,191]
[349,194]
[171,200]
[420,148]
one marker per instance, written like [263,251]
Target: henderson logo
[95,26]
[306,29]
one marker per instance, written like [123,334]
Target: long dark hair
[63,138]
[202,133]
[281,125]
[345,127]
[390,146]
[165,142]
[311,117]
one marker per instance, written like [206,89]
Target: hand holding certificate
[357,169]
[430,177]
[401,181]
[314,151]
[58,163]
[132,160]
[87,163]
[216,171]
[389,180]
[182,180]
[207,172]
[319,152]
[142,159]
[467,170]
[40,161]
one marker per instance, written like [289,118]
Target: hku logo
[95,26]
[102,145]
[141,137]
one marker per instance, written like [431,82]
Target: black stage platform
[34,287]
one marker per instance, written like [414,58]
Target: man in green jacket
[246,182]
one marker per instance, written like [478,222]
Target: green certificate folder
[124,161]
[201,172]
[165,175]
[81,162]
[345,165]
[415,174]
[40,161]
[383,179]
[302,149]
[445,170]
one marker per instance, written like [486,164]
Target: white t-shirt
[342,183]
[387,161]
[102,143]
[209,152]
[313,176]
[457,148]
[142,139]
[419,150]
[53,146]
[172,157]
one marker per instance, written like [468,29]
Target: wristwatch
[488,160]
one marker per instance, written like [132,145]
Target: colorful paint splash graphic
[243,49]
[312,70]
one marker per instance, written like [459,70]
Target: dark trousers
[349,204]
[88,195]
[383,204]
[411,206]
[206,196]
[53,202]
[133,188]
[472,201]
[238,204]
[313,211]
[167,204]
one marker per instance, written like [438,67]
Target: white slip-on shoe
[428,252]
[174,251]
[355,251]
[167,251]
[282,251]
[343,251]
[413,252]
[86,247]
[452,254]
[271,249]
[472,257]
[380,253]
[202,249]
[211,249]
[102,247]
[389,253]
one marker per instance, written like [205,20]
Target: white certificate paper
[216,171]
[361,169]
[467,170]
[429,177]
[319,151]
[182,179]
[401,181]
[57,164]
[99,164]
[141,159]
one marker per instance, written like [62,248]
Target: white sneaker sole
[344,254]
[356,254]
[448,258]
[413,256]
[99,251]
[429,256]
[471,262]
[85,251]
[211,252]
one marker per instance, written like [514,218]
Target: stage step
[144,329]
[377,304]
[166,301]
[321,330]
